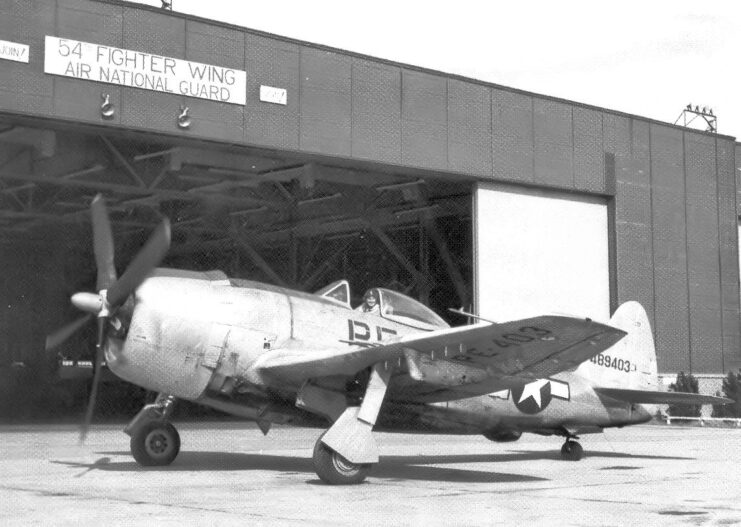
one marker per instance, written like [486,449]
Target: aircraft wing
[656,397]
[457,362]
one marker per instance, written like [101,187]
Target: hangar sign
[13,51]
[125,67]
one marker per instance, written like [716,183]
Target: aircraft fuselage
[199,337]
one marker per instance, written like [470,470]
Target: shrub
[732,390]
[686,383]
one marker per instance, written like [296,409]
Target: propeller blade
[102,322]
[65,332]
[103,243]
[146,260]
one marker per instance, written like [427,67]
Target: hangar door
[539,252]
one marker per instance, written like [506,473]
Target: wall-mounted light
[107,110]
[184,119]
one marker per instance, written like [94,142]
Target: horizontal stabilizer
[655,397]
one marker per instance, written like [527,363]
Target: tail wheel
[334,469]
[572,451]
[157,443]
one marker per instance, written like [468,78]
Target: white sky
[648,57]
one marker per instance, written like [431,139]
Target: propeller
[112,291]
[62,334]
[102,243]
[96,379]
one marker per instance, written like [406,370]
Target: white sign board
[14,51]
[274,95]
[111,65]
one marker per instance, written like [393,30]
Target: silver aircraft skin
[275,355]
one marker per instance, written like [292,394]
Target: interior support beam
[293,248]
[159,178]
[117,153]
[307,284]
[442,248]
[10,191]
[258,260]
[43,141]
[321,226]
[394,250]
[424,263]
[126,189]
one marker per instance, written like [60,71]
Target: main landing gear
[345,453]
[154,440]
[334,469]
[156,443]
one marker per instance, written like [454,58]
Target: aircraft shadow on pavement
[417,467]
[525,454]
[390,467]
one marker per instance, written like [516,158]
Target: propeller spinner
[112,291]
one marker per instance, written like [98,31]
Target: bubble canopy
[400,308]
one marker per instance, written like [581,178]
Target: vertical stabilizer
[631,363]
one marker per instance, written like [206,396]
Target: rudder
[631,363]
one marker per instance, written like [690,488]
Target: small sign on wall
[274,95]
[14,51]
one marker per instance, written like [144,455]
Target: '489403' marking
[614,363]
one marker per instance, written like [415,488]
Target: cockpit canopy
[338,291]
[400,308]
[393,306]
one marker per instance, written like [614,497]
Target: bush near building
[732,390]
[687,383]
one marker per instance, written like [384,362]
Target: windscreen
[401,308]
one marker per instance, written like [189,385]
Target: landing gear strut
[334,469]
[344,454]
[154,441]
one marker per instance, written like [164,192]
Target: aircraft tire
[334,469]
[572,451]
[157,443]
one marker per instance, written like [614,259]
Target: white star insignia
[532,389]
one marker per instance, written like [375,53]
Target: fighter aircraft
[275,355]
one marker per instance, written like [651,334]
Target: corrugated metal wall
[675,220]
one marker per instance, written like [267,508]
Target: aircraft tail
[628,370]
[631,363]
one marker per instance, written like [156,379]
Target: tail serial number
[614,363]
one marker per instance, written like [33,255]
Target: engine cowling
[503,436]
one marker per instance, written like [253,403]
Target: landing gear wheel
[334,469]
[156,443]
[571,451]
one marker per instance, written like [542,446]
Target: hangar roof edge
[411,67]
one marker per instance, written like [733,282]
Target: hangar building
[298,164]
